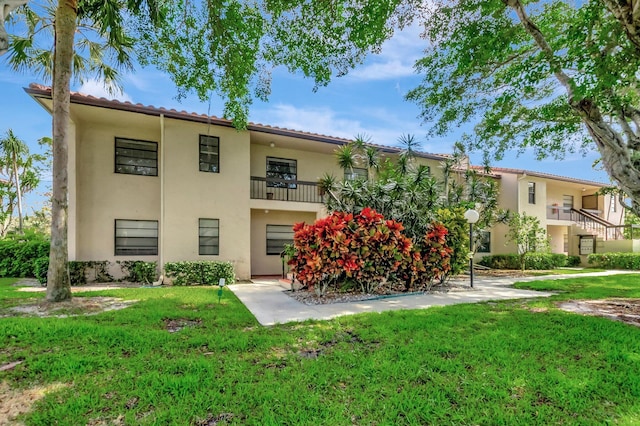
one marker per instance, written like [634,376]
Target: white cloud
[100,90]
[382,126]
[396,58]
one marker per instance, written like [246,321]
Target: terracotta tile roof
[506,170]
[38,90]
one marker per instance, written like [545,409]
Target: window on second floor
[282,173]
[567,203]
[357,173]
[532,192]
[208,236]
[277,237]
[613,203]
[209,154]
[135,157]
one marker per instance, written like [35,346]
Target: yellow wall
[261,263]
[311,165]
[191,194]
[103,195]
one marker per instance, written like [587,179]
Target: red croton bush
[367,250]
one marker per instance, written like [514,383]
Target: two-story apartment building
[576,217]
[147,183]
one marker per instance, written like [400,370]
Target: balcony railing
[590,221]
[560,213]
[284,190]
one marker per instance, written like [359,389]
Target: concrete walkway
[269,303]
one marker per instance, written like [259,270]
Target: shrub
[40,269]
[17,256]
[200,272]
[138,271]
[501,261]
[77,275]
[573,261]
[457,237]
[364,248]
[615,260]
[532,261]
[429,262]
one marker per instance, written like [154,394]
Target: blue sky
[369,101]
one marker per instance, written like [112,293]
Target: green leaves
[230,47]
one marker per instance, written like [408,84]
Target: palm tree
[12,148]
[63,63]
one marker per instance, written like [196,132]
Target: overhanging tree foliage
[223,46]
[556,76]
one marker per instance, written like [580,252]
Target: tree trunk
[18,191]
[58,285]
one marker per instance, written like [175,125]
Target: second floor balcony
[285,190]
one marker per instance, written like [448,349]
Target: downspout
[162,207]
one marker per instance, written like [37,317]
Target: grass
[563,271]
[489,363]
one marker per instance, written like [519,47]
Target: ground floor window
[209,236]
[136,237]
[277,237]
[484,242]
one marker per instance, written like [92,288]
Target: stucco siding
[261,263]
[190,194]
[103,195]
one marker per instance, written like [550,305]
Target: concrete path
[268,302]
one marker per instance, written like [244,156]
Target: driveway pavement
[269,303]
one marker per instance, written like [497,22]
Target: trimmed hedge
[200,272]
[18,258]
[615,260]
[138,271]
[533,261]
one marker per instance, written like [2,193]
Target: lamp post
[472,217]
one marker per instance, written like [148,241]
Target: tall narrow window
[567,202]
[532,192]
[136,157]
[136,237]
[613,203]
[356,173]
[209,236]
[282,173]
[209,154]
[484,244]
[277,237]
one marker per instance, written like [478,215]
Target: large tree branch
[627,12]
[6,7]
[613,149]
[540,40]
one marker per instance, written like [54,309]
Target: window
[567,203]
[136,157]
[280,172]
[532,192]
[484,242]
[209,236]
[612,205]
[136,237]
[277,237]
[356,173]
[209,154]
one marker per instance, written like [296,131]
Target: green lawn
[482,364]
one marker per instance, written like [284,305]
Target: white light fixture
[272,144]
[266,212]
[472,217]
